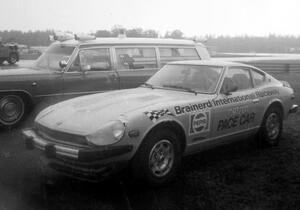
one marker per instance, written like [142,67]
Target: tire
[13,58]
[271,128]
[158,158]
[12,110]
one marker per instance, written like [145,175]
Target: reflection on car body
[71,68]
[150,128]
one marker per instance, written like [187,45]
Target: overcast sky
[193,17]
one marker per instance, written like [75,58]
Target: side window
[136,58]
[92,60]
[168,54]
[258,78]
[236,79]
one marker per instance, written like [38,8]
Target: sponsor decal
[232,100]
[190,108]
[156,114]
[199,122]
[238,110]
[237,120]
[261,94]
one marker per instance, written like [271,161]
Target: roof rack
[64,36]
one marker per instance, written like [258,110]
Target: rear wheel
[158,158]
[12,110]
[13,58]
[271,129]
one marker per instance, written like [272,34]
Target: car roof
[210,63]
[99,41]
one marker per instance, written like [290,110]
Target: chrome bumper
[52,150]
[32,140]
[293,109]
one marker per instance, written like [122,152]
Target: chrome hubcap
[273,126]
[13,59]
[161,158]
[11,109]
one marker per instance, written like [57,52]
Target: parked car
[184,108]
[9,52]
[87,65]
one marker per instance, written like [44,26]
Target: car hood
[85,115]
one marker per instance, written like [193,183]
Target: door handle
[255,100]
[34,84]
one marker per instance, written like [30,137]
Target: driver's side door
[90,72]
[233,112]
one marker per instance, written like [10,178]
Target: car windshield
[55,53]
[192,78]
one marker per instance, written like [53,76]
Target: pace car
[186,107]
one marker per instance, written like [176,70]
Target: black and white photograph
[149,105]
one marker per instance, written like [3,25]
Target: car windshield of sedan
[55,53]
[192,78]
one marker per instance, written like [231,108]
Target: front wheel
[158,158]
[271,129]
[13,58]
[12,109]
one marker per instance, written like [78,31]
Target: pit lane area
[236,176]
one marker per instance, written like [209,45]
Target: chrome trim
[71,93]
[293,109]
[40,143]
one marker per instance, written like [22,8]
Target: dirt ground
[235,176]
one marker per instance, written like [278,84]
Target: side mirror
[63,64]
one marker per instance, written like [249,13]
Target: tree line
[238,44]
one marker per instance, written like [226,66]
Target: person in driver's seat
[126,59]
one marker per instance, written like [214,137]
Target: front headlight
[110,133]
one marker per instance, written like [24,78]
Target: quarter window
[258,78]
[136,58]
[168,54]
[236,77]
[92,60]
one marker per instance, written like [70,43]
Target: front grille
[60,137]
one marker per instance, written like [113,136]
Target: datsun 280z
[184,108]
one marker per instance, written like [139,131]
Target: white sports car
[184,108]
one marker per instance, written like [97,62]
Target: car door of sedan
[91,72]
[233,110]
[135,64]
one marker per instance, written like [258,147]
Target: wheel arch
[22,93]
[275,103]
[173,126]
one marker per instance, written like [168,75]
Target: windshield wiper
[148,85]
[182,88]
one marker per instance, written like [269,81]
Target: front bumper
[83,163]
[293,109]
